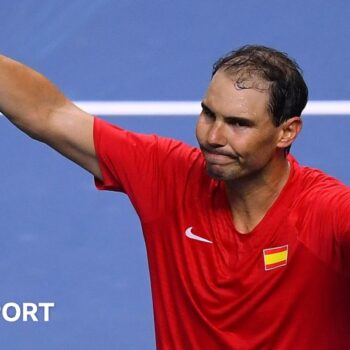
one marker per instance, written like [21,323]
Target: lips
[217,158]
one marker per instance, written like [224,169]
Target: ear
[290,129]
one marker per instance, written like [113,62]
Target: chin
[227,174]
[219,174]
[215,176]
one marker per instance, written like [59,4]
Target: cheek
[201,130]
[242,141]
[263,150]
[198,133]
[252,147]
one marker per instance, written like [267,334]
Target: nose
[216,136]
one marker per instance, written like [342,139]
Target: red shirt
[285,285]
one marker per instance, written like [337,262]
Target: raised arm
[37,107]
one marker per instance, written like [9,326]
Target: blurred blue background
[65,242]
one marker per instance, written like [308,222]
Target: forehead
[230,94]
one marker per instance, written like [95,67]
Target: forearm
[27,98]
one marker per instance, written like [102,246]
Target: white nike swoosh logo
[191,235]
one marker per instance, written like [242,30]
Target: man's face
[235,131]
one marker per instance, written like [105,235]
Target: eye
[238,123]
[208,113]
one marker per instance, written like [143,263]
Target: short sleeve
[122,155]
[145,167]
[343,227]
[323,206]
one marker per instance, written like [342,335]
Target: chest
[198,244]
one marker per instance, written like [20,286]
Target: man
[253,256]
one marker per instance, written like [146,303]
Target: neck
[250,198]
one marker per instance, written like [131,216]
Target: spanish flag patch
[275,257]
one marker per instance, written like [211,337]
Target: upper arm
[37,107]
[69,130]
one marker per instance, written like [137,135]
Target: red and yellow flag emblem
[275,257]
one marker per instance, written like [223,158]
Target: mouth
[218,158]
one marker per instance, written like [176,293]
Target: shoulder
[106,132]
[321,215]
[134,152]
[321,201]
[317,187]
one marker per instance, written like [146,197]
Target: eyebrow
[229,119]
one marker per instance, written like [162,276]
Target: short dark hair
[288,90]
